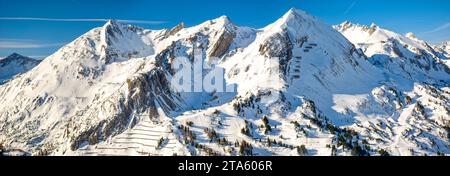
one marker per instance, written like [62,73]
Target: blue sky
[39,28]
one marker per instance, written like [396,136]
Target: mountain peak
[294,19]
[111,23]
[410,35]
[446,43]
[294,14]
[344,25]
[16,56]
[100,92]
[222,21]
[112,29]
[373,25]
[219,23]
[15,64]
[224,18]
[347,24]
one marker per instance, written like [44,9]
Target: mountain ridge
[407,53]
[299,84]
[15,64]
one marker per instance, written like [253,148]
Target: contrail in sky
[350,7]
[440,28]
[81,20]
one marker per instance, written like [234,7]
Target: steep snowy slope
[405,56]
[92,86]
[301,88]
[444,49]
[421,97]
[15,64]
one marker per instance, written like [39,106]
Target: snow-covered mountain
[444,48]
[15,64]
[403,55]
[302,88]
[415,69]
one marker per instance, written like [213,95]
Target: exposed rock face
[411,35]
[280,46]
[144,93]
[177,28]
[120,42]
[297,80]
[344,26]
[348,25]
[222,43]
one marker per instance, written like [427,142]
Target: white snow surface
[347,90]
[15,64]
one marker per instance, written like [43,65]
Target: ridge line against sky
[51,22]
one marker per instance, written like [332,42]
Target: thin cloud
[81,20]
[15,39]
[350,7]
[440,28]
[37,56]
[24,44]
[32,56]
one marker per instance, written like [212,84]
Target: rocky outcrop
[219,46]
[142,94]
[176,29]
[279,45]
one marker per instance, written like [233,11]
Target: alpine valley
[346,90]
